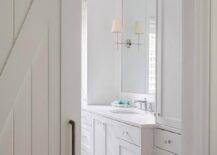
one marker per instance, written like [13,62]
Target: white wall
[102,54]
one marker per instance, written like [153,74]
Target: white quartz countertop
[131,116]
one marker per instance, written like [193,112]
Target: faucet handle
[149,107]
[140,105]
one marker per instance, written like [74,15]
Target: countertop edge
[120,120]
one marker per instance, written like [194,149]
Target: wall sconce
[116,28]
[138,30]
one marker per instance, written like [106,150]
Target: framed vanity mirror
[138,49]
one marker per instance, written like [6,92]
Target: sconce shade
[139,27]
[116,26]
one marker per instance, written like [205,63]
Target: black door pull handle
[72,123]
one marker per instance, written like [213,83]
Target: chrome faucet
[144,105]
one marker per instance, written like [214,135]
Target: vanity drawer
[167,140]
[129,133]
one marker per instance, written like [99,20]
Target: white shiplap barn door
[30,77]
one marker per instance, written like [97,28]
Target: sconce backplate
[128,43]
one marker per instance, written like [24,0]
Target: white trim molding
[213,80]
[196,55]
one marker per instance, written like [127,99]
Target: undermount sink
[123,111]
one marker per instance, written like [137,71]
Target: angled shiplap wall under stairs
[30,79]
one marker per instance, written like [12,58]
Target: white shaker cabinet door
[110,139]
[99,137]
[125,148]
[169,63]
[158,151]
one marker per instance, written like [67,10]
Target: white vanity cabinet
[169,63]
[111,137]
